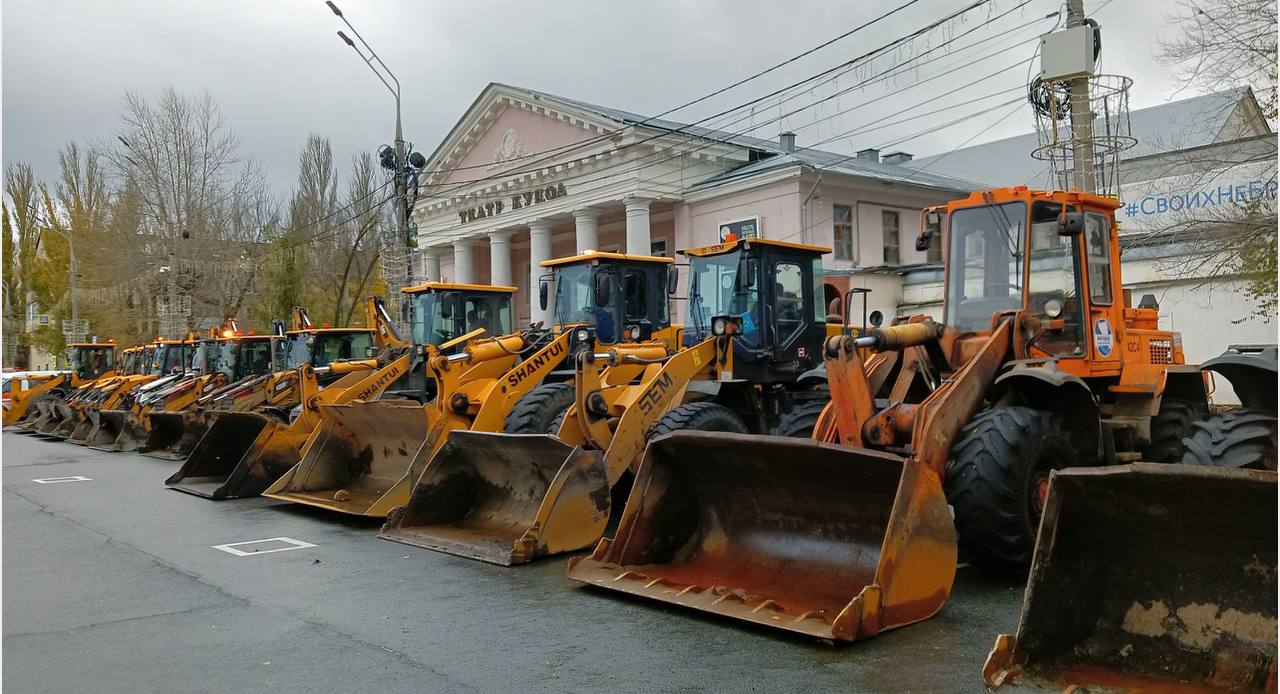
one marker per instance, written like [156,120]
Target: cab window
[635,296]
[1096,238]
[788,299]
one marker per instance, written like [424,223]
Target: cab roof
[745,242]
[457,286]
[999,195]
[329,331]
[586,256]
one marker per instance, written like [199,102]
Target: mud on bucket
[814,538]
[505,499]
[213,469]
[1152,577]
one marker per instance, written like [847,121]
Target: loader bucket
[819,539]
[88,422]
[357,460]
[1149,578]
[169,438]
[505,499]
[235,458]
[55,412]
[71,419]
[111,424]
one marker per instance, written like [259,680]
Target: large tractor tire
[1243,438]
[800,420]
[997,483]
[540,409]
[1170,426]
[699,416]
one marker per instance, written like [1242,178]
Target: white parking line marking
[69,478]
[291,543]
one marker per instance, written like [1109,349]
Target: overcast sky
[279,71]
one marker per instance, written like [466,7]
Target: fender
[1251,371]
[1048,388]
[813,377]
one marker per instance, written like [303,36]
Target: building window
[842,228]
[889,223]
[658,248]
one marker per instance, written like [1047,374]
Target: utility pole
[401,162]
[1081,116]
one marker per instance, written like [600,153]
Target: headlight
[719,326]
[582,335]
[1053,308]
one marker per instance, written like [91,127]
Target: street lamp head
[333,7]
[346,39]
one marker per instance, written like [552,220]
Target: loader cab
[441,311]
[1052,254]
[89,360]
[129,361]
[624,298]
[774,288]
[320,346]
[170,356]
[243,356]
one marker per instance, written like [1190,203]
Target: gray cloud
[279,72]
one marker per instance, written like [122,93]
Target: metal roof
[846,164]
[1177,125]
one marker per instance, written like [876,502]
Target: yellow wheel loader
[756,329]
[247,447]
[241,357]
[108,395]
[86,361]
[174,433]
[1042,365]
[363,456]
[70,412]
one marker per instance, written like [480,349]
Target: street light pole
[1081,117]
[401,183]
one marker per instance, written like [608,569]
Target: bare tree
[193,187]
[1220,43]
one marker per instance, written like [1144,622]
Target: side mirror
[543,290]
[604,289]
[748,268]
[673,281]
[932,227]
[1070,223]
[406,310]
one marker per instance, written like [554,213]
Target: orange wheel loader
[1040,364]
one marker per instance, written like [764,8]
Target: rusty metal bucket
[111,424]
[169,436]
[505,499]
[238,456]
[88,422]
[815,538]
[55,413]
[359,458]
[1149,578]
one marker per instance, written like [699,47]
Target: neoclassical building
[526,176]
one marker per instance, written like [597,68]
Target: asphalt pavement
[115,584]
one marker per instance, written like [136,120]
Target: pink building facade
[525,177]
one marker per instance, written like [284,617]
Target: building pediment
[507,127]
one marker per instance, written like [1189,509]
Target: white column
[464,265]
[585,224]
[500,257]
[638,226]
[539,250]
[430,265]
